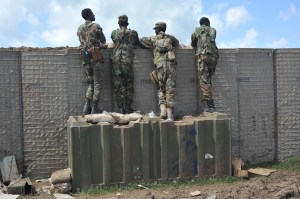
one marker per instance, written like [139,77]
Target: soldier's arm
[100,34]
[80,36]
[147,42]
[113,35]
[175,41]
[194,40]
[136,40]
[213,34]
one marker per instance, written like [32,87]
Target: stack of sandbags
[61,181]
[113,118]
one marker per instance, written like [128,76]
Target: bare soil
[278,185]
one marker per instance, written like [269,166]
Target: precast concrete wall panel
[225,92]
[77,84]
[103,154]
[11,135]
[256,105]
[287,65]
[45,110]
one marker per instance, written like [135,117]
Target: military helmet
[160,25]
[123,19]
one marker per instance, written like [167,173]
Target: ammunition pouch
[96,54]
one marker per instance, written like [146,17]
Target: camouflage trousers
[123,80]
[94,77]
[206,68]
[166,76]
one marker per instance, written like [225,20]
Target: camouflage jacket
[204,40]
[124,41]
[90,35]
[159,58]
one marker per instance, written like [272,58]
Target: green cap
[161,25]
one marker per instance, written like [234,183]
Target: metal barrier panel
[256,108]
[287,62]
[11,124]
[45,110]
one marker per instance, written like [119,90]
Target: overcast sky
[239,23]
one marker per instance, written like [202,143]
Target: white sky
[239,23]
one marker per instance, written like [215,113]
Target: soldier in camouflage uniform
[122,56]
[165,74]
[203,40]
[90,35]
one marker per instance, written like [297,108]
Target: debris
[237,165]
[20,186]
[8,196]
[42,180]
[3,188]
[118,194]
[142,186]
[61,176]
[195,193]
[212,197]
[62,196]
[8,168]
[261,171]
[208,156]
[63,188]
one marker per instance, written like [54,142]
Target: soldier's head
[88,14]
[123,20]
[204,21]
[160,26]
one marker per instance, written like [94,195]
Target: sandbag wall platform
[103,154]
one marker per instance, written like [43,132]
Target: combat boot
[121,109]
[163,111]
[210,106]
[95,108]
[170,114]
[87,107]
[128,109]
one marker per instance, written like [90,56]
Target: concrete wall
[41,88]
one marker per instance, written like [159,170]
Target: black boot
[210,106]
[128,109]
[95,108]
[87,107]
[121,109]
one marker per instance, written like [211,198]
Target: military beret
[161,25]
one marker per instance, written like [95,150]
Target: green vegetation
[290,165]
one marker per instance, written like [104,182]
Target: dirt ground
[278,185]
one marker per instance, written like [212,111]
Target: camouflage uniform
[91,35]
[166,73]
[122,56]
[203,39]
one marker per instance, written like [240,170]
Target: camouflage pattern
[166,74]
[122,56]
[203,39]
[91,35]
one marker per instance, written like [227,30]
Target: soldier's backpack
[163,44]
[205,42]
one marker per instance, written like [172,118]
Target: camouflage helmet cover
[161,25]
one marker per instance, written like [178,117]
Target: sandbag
[61,176]
[126,118]
[63,188]
[96,118]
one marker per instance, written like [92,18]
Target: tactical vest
[89,36]
[123,39]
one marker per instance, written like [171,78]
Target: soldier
[164,76]
[122,56]
[203,40]
[91,40]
